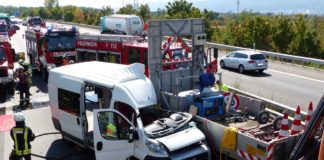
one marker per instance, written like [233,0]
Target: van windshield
[257,57]
[158,122]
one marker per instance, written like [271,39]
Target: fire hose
[55,158]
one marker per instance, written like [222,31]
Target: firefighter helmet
[19,117]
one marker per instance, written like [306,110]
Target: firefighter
[222,86]
[22,136]
[65,60]
[23,85]
[26,65]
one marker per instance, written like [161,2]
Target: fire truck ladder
[113,38]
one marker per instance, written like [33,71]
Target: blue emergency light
[74,28]
[50,28]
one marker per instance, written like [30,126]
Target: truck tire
[44,74]
[11,88]
[263,117]
[276,124]
[2,93]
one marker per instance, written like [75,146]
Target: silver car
[245,61]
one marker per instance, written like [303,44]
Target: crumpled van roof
[103,73]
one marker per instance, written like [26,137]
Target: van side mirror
[131,135]
[215,53]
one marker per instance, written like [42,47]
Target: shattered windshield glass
[158,122]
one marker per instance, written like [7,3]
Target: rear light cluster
[251,62]
[4,72]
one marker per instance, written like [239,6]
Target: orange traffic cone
[309,114]
[284,130]
[296,126]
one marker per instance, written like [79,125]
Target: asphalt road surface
[288,84]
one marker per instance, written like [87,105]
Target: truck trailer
[121,24]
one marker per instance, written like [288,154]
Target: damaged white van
[111,108]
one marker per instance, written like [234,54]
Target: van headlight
[155,147]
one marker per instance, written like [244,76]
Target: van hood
[182,139]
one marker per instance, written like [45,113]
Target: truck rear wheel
[44,74]
[2,93]
[11,88]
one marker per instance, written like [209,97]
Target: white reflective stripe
[297,128]
[19,132]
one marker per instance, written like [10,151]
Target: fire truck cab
[6,67]
[50,47]
[35,21]
[4,17]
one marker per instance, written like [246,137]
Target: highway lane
[283,83]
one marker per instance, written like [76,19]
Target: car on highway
[245,60]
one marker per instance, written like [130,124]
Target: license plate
[260,64]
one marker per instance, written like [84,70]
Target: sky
[277,6]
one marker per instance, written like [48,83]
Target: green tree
[78,15]
[128,9]
[179,9]
[282,34]
[306,42]
[107,11]
[144,12]
[51,3]
[68,13]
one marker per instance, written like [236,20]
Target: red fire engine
[130,49]
[48,48]
[6,66]
[36,21]
[122,49]
[5,30]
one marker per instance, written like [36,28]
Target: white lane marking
[245,78]
[294,75]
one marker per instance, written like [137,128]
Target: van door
[71,124]
[113,135]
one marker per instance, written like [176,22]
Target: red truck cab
[6,66]
[5,29]
[48,48]
[35,21]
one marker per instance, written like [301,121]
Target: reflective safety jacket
[22,136]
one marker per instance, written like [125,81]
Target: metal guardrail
[71,23]
[229,47]
[268,53]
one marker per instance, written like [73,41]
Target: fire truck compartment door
[111,135]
